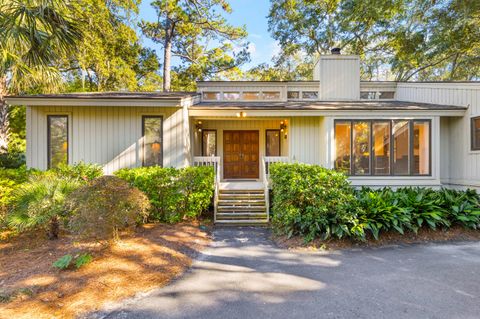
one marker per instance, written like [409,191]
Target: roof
[325,105]
[111,95]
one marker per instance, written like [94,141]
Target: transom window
[211,96]
[152,132]
[310,95]
[293,95]
[231,96]
[251,96]
[383,147]
[475,133]
[271,95]
[57,143]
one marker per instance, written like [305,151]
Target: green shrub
[39,203]
[67,261]
[63,262]
[80,171]
[174,194]
[463,207]
[312,201]
[105,206]
[10,179]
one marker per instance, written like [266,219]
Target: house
[380,133]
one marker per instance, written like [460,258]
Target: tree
[193,31]
[416,39]
[110,57]
[33,35]
[285,68]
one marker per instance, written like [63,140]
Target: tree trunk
[4,124]
[53,228]
[167,56]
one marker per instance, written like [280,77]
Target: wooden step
[240,197]
[241,209]
[243,222]
[242,191]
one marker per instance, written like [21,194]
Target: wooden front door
[240,154]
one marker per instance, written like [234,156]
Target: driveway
[243,275]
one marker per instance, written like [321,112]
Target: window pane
[401,154]
[271,95]
[381,148]
[421,148]
[476,133]
[57,140]
[251,96]
[310,95]
[209,143]
[152,141]
[387,95]
[214,96]
[293,95]
[368,95]
[361,148]
[273,143]
[342,146]
[231,95]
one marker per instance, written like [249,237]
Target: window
[209,143]
[212,96]
[272,143]
[152,132]
[271,95]
[383,147]
[57,142]
[475,133]
[251,96]
[387,95]
[343,141]
[368,95]
[231,96]
[310,95]
[292,95]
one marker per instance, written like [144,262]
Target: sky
[251,13]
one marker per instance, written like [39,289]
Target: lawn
[148,258]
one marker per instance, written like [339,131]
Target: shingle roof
[326,105]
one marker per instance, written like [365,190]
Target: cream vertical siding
[462,166]
[307,140]
[339,77]
[108,135]
[221,125]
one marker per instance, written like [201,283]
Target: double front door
[241,154]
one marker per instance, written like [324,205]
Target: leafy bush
[312,201]
[39,203]
[80,171]
[463,207]
[10,179]
[105,206]
[174,194]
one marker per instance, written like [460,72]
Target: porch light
[241,114]
[283,128]
[156,147]
[198,126]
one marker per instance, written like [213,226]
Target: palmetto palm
[34,34]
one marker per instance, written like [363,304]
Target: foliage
[311,201]
[175,194]
[187,29]
[39,203]
[416,39]
[63,262]
[80,171]
[104,207]
[10,179]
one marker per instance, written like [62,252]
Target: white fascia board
[95,102]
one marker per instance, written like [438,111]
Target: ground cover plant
[174,194]
[314,202]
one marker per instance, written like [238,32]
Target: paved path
[243,275]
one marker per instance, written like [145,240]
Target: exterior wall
[307,140]
[246,124]
[461,167]
[108,135]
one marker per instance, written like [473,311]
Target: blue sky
[251,13]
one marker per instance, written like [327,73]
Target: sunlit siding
[339,77]
[306,140]
[464,164]
[110,136]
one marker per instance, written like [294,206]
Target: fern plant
[39,203]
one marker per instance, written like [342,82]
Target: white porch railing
[266,162]
[215,162]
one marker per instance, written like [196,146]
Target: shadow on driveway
[244,275]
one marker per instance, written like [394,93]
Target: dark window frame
[279,141]
[143,137]
[410,150]
[49,117]
[216,140]
[473,140]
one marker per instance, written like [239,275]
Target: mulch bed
[149,258]
[424,235]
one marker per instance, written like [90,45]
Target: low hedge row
[312,201]
[174,194]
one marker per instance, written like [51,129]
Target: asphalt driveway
[243,275]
